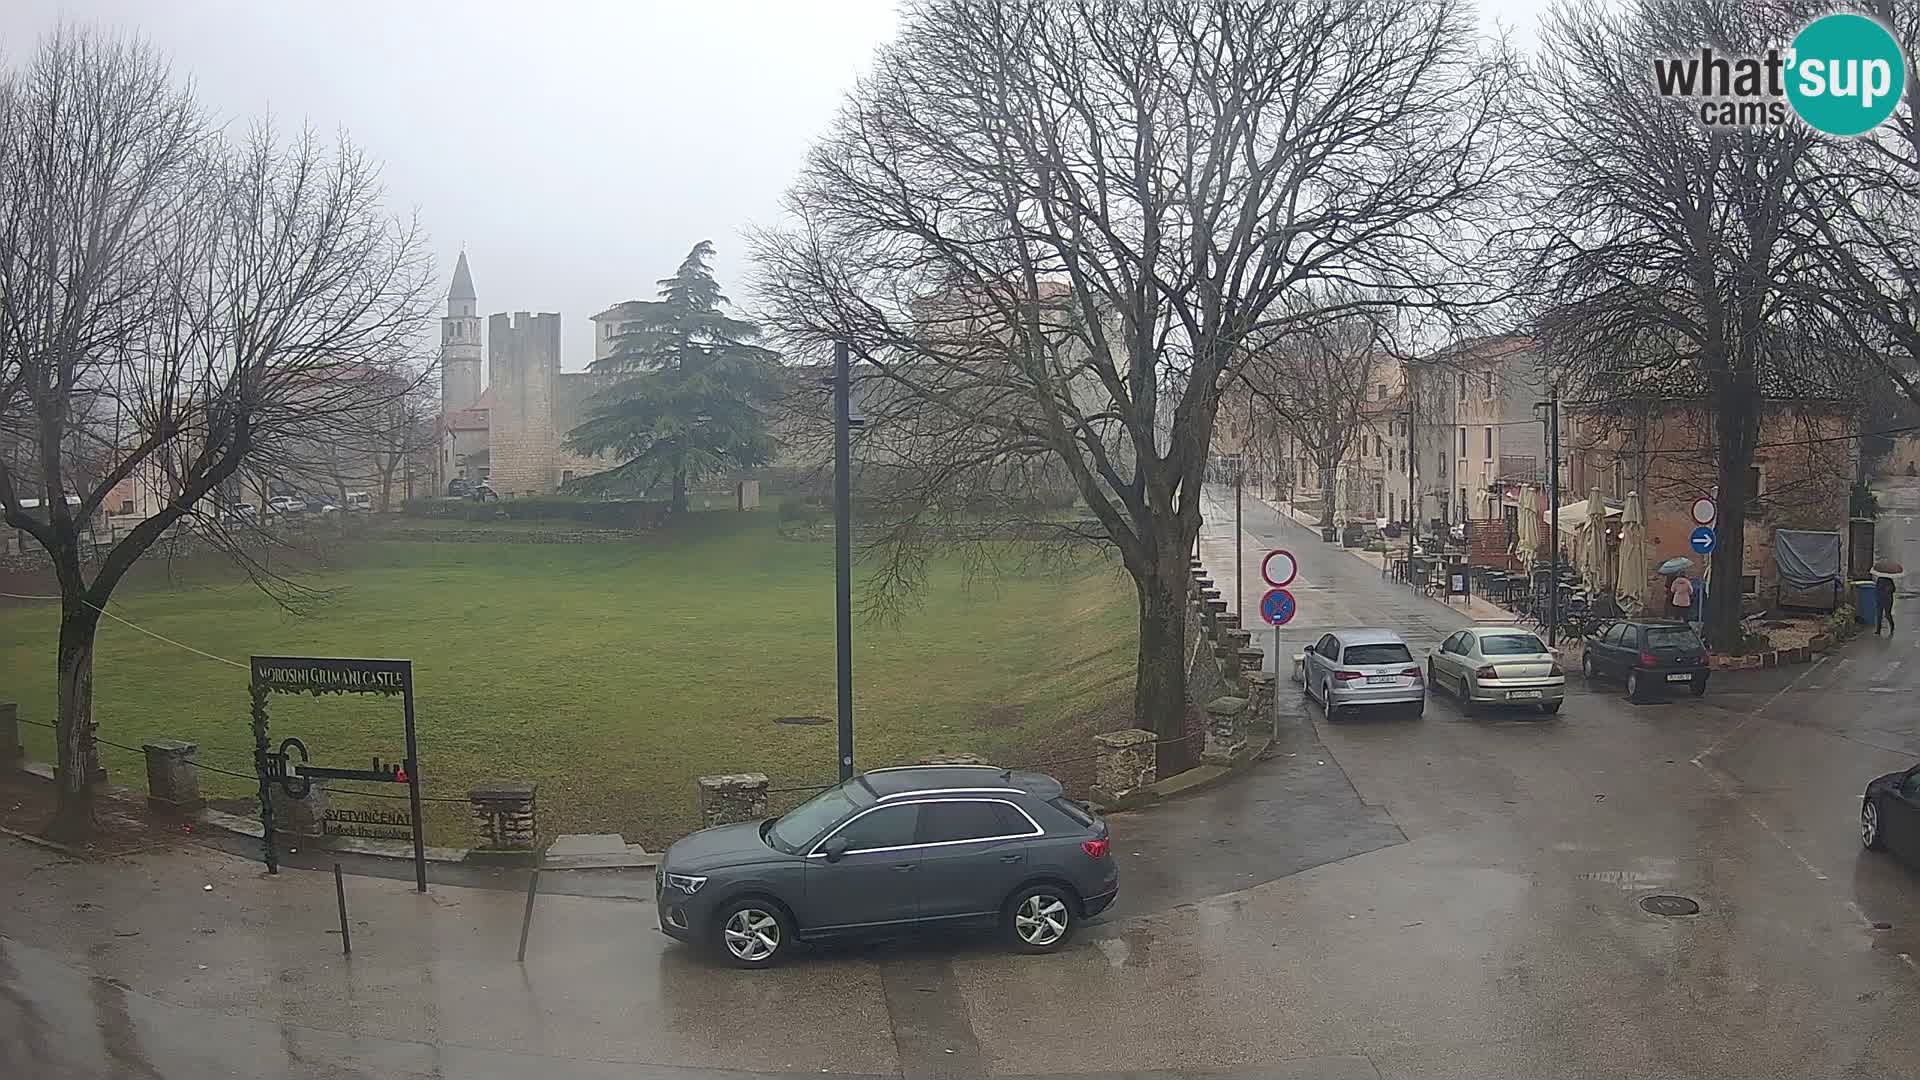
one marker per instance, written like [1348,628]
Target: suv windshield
[1672,637]
[1386,652]
[1511,645]
[811,818]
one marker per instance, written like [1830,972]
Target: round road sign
[1704,511]
[1702,540]
[1279,568]
[1277,607]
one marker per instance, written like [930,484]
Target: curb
[1198,778]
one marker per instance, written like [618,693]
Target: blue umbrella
[1677,564]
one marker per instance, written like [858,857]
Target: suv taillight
[1647,659]
[1346,676]
[1095,849]
[1412,672]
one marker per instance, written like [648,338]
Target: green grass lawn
[611,674]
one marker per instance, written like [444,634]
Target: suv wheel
[1040,919]
[752,932]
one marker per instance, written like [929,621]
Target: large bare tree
[173,307]
[1052,228]
[1671,255]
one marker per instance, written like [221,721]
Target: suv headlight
[686,883]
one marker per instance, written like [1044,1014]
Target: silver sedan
[1497,665]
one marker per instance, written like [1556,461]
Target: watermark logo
[1843,75]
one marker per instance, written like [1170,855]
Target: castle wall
[523,359]
[570,393]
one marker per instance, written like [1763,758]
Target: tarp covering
[1806,559]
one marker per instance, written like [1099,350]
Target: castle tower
[460,343]
[523,359]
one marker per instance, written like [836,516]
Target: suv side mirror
[835,848]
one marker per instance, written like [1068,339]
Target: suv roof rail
[904,768]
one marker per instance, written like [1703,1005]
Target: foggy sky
[577,150]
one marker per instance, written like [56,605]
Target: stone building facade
[510,434]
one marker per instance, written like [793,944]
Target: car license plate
[1382,680]
[1523,695]
[1679,678]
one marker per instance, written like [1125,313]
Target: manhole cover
[807,721]
[1669,905]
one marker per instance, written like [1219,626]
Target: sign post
[1278,608]
[318,675]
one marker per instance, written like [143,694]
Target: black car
[458,488]
[1890,815]
[1649,656]
[893,849]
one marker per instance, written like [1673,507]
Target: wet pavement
[1444,897]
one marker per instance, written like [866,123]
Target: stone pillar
[299,817]
[1250,661]
[1125,765]
[954,759]
[503,818]
[12,754]
[173,781]
[733,797]
[1214,607]
[1229,620]
[1259,685]
[1226,730]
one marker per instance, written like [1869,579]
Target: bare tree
[175,307]
[1053,227]
[1318,382]
[1669,252]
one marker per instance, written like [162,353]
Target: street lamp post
[843,554]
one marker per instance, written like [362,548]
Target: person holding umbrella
[1883,575]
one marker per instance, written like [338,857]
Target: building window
[566,477]
[1756,482]
[1463,437]
[126,506]
[1463,500]
[1489,377]
[1376,446]
[1463,386]
[1489,444]
[1443,467]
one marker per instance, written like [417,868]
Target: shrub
[603,513]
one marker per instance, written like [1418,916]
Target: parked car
[359,501]
[458,487]
[239,514]
[1352,668]
[483,492]
[893,849]
[1890,815]
[286,504]
[1497,665]
[1650,656]
[318,505]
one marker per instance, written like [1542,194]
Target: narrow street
[1450,896]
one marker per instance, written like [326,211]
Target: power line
[136,626]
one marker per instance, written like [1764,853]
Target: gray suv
[893,849]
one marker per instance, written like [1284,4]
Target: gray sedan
[1497,665]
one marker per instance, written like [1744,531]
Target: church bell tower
[460,343]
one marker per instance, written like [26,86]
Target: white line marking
[1714,747]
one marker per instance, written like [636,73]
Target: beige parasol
[1631,577]
[1593,542]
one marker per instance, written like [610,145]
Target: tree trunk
[1328,495]
[1160,672]
[1738,429]
[678,505]
[78,757]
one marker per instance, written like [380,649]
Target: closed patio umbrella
[1527,528]
[1593,542]
[1630,576]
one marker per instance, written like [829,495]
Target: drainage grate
[1669,905]
[807,721]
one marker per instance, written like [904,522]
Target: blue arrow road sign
[1277,607]
[1702,539]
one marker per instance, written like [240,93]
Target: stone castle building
[511,432]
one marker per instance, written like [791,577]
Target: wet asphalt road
[1446,897]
